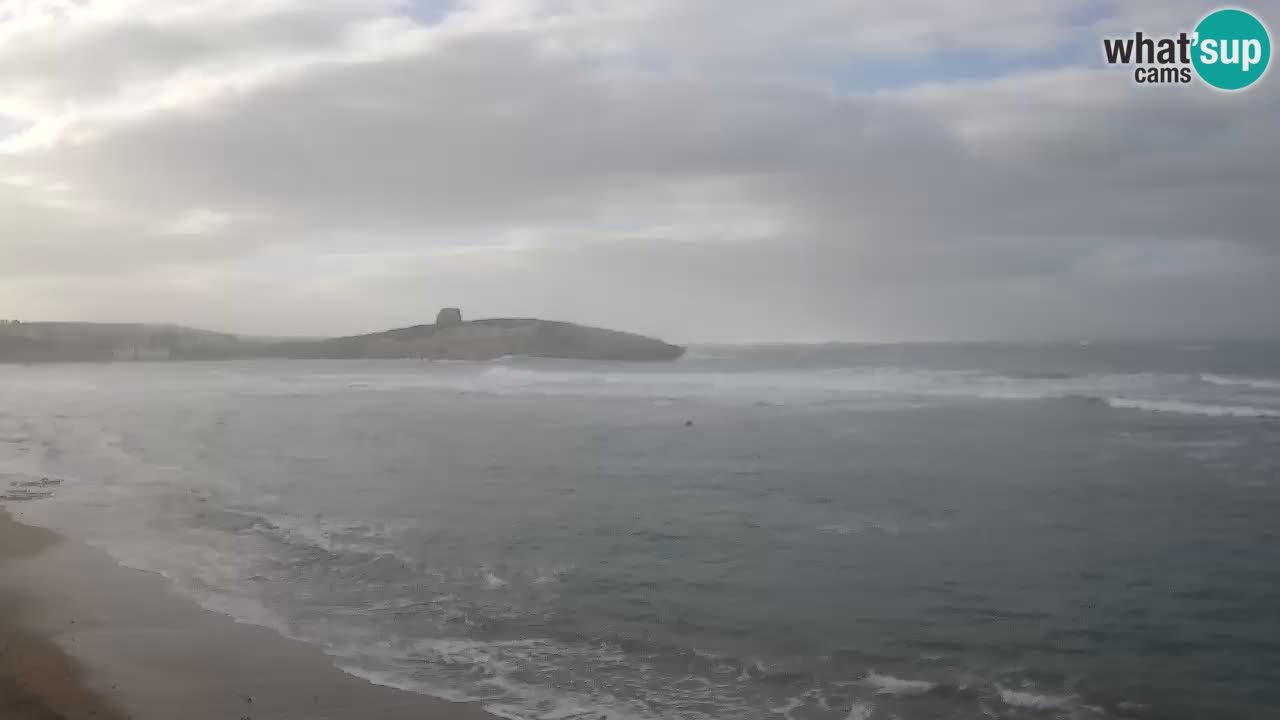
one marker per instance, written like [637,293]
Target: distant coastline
[449,338]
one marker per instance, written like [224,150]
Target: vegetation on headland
[449,338]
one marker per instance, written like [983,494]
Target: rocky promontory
[449,338]
[453,339]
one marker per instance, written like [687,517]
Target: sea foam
[1192,408]
[1032,701]
[890,685]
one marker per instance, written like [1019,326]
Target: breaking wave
[890,685]
[1193,408]
[719,380]
[1032,701]
[1150,392]
[1237,381]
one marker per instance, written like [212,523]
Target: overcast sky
[697,169]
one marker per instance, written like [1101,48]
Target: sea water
[861,532]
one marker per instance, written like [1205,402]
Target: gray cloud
[617,165]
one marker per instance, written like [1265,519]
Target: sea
[1080,531]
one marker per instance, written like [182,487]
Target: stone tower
[448,316]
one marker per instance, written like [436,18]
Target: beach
[38,680]
[82,637]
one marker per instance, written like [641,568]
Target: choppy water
[868,533]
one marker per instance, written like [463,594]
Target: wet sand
[82,637]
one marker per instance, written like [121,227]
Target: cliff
[449,339]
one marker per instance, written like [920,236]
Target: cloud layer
[715,170]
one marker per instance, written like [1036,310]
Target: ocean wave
[859,711]
[1154,392]
[857,527]
[331,535]
[1239,381]
[1193,408]
[497,675]
[547,679]
[795,389]
[544,679]
[890,685]
[1033,701]
[784,388]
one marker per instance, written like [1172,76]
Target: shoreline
[83,637]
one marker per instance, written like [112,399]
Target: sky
[701,170]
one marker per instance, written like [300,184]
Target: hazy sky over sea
[697,169]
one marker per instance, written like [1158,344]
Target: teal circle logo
[1231,49]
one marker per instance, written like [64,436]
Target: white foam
[1155,392]
[890,685]
[528,702]
[1181,407]
[1238,381]
[856,527]
[1032,701]
[859,711]
[761,388]
[330,534]
[766,388]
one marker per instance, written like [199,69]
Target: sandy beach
[82,637]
